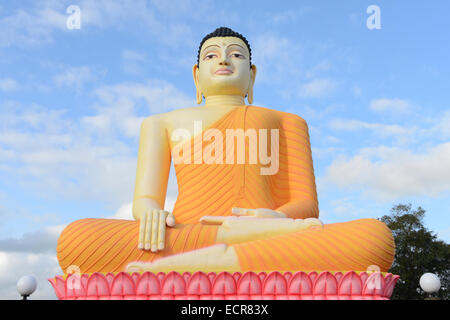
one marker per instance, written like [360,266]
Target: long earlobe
[250,95]
[199,95]
[252,83]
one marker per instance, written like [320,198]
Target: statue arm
[300,209]
[153,166]
[303,195]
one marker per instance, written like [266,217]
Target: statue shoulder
[169,118]
[283,116]
[177,118]
[287,116]
[176,114]
[295,119]
[155,119]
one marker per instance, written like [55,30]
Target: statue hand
[242,212]
[152,229]
[258,213]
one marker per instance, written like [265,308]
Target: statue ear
[252,83]
[199,95]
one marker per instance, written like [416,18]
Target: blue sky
[71,102]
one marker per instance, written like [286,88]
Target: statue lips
[223,71]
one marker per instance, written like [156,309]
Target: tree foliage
[417,251]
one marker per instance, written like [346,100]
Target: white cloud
[7,84]
[442,126]
[32,27]
[390,105]
[382,130]
[323,65]
[317,88]
[357,91]
[118,105]
[133,61]
[39,23]
[90,158]
[124,212]
[346,208]
[418,130]
[391,173]
[325,152]
[208,13]
[157,19]
[319,115]
[274,58]
[289,16]
[74,77]
[133,55]
[39,241]
[104,13]
[332,139]
[3,262]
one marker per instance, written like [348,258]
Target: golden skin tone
[224,77]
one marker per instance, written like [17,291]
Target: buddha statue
[247,197]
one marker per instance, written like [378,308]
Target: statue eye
[209,56]
[238,55]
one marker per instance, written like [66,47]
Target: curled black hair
[224,32]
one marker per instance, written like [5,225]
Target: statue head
[224,65]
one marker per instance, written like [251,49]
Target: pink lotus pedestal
[226,286]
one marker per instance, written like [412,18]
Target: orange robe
[106,245]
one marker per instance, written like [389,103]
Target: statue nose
[223,61]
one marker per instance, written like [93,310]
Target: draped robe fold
[107,245]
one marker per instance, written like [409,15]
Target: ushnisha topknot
[224,32]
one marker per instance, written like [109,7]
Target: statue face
[224,67]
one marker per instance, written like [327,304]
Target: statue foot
[237,230]
[216,258]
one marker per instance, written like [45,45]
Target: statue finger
[170,220]
[134,267]
[162,229]
[281,214]
[313,223]
[142,224]
[239,211]
[155,225]
[214,220]
[148,230]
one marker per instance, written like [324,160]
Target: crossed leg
[223,256]
[355,245]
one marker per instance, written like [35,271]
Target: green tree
[417,251]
